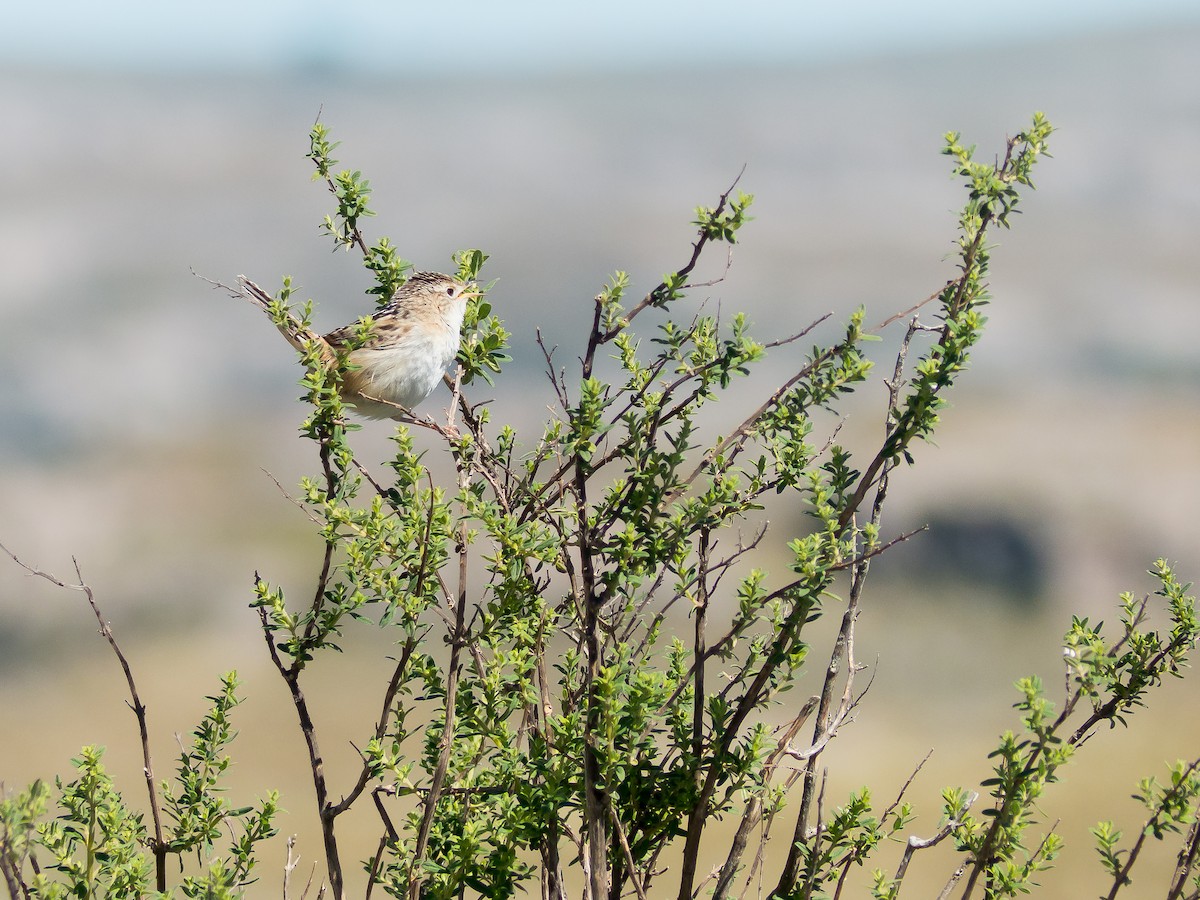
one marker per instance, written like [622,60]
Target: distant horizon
[318,66]
[527,37]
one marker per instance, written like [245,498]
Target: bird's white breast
[407,371]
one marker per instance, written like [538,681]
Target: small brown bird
[411,342]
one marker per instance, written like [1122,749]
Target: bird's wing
[386,330]
[341,336]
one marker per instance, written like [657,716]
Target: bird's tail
[297,334]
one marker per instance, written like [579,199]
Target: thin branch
[1187,859]
[816,840]
[907,784]
[916,307]
[877,550]
[289,866]
[459,638]
[389,834]
[11,868]
[826,724]
[291,677]
[557,380]
[700,698]
[327,560]
[655,296]
[628,854]
[752,815]
[1151,827]
[157,845]
[915,843]
[389,697]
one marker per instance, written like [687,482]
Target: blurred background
[139,408]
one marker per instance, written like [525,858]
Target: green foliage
[548,708]
[564,711]
[351,192]
[98,846]
[1107,682]
[201,814]
[1172,808]
[845,839]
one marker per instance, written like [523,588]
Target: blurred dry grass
[137,407]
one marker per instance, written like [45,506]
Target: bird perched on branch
[410,343]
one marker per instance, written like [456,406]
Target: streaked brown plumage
[411,342]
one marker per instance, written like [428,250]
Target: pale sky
[533,35]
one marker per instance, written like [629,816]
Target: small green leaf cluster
[1115,679]
[1172,808]
[994,192]
[1107,682]
[19,817]
[352,192]
[722,224]
[847,839]
[197,807]
[485,341]
[101,847]
[98,844]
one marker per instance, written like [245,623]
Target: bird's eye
[450,291]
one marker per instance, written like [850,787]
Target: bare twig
[907,784]
[915,843]
[655,296]
[297,334]
[289,866]
[752,815]
[291,677]
[557,379]
[626,852]
[158,845]
[916,307]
